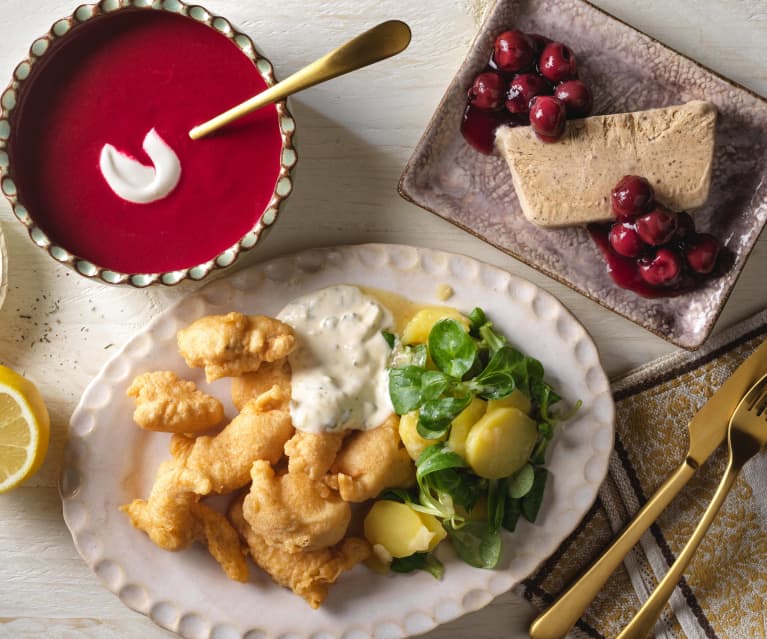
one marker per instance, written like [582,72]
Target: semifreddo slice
[569,182]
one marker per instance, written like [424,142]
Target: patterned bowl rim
[3,268]
[38,50]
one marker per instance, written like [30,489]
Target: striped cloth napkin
[724,591]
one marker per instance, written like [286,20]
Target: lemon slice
[24,429]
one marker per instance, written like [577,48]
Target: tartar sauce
[339,370]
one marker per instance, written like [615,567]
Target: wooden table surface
[356,135]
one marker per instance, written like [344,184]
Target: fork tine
[756,398]
[761,404]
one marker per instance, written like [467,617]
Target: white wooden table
[356,135]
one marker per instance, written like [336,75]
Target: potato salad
[476,417]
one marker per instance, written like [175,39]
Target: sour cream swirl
[134,182]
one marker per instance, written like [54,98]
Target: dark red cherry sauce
[624,271]
[478,126]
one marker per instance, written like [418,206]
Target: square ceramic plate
[628,71]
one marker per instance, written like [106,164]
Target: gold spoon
[381,42]
[746,436]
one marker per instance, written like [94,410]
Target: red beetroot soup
[111,81]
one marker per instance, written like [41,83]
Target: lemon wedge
[24,429]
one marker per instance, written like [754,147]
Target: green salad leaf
[464,487]
[512,513]
[476,543]
[478,319]
[451,348]
[410,355]
[436,414]
[496,503]
[531,502]
[522,482]
[435,458]
[405,388]
[441,485]
[391,338]
[433,385]
[419,561]
[499,378]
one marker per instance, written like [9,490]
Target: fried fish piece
[370,461]
[165,402]
[313,453]
[293,512]
[174,519]
[233,344]
[223,541]
[221,463]
[172,515]
[166,516]
[308,574]
[269,374]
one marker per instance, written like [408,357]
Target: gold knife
[707,429]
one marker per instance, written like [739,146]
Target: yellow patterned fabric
[724,591]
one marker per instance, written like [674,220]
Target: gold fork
[746,436]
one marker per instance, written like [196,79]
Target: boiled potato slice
[402,530]
[408,433]
[434,526]
[418,328]
[461,425]
[500,443]
[517,399]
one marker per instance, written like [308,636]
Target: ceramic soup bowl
[94,149]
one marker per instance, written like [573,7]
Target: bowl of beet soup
[95,154]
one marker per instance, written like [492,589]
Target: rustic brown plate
[627,71]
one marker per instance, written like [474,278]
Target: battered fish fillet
[370,461]
[250,385]
[174,519]
[233,344]
[292,512]
[313,453]
[308,574]
[221,463]
[165,402]
[166,516]
[222,540]
[172,516]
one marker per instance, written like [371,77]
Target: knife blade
[707,430]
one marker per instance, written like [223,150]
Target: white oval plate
[110,461]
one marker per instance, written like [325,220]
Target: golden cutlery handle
[380,42]
[556,622]
[644,621]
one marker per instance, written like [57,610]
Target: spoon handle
[380,42]
[644,621]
